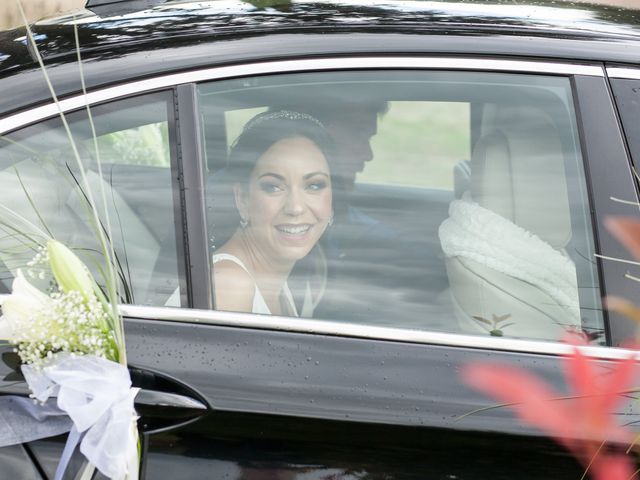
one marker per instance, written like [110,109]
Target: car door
[369,384]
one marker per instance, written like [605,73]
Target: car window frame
[609,174]
[192,214]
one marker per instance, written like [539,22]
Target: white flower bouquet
[71,342]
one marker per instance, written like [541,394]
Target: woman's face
[288,203]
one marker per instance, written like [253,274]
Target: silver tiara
[288,114]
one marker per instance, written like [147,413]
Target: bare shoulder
[234,287]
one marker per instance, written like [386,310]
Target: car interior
[504,178]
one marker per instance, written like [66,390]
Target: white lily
[20,308]
[69,271]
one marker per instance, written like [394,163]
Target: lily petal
[19,308]
[70,272]
[7,330]
[22,288]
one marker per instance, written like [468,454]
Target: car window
[43,186]
[457,201]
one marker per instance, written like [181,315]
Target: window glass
[627,94]
[42,184]
[445,201]
[440,137]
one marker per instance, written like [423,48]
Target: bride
[282,191]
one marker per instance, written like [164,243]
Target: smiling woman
[281,183]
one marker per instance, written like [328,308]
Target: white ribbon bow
[96,394]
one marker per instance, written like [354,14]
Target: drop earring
[243,223]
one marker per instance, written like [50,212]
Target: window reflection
[128,160]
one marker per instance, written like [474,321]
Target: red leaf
[612,467]
[532,398]
[627,232]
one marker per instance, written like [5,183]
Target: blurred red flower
[582,421]
[627,232]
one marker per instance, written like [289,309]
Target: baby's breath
[73,325]
[41,258]
[37,266]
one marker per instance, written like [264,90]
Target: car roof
[238,31]
[565,18]
[121,24]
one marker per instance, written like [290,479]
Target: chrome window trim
[624,73]
[52,109]
[351,330]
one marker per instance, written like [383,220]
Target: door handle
[154,398]
[164,402]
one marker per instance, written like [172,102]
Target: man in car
[351,125]
[358,246]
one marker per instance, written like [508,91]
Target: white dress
[259,304]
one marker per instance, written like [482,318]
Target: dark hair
[329,109]
[267,128]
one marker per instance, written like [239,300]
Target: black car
[478,149]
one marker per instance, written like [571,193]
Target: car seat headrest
[518,172]
[461,178]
